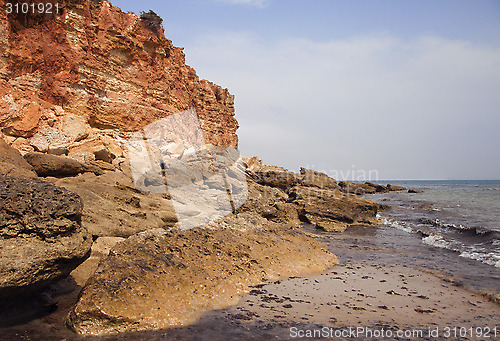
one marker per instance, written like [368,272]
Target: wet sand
[376,288]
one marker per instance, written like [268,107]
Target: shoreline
[367,289]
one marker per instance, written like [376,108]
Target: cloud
[254,3]
[425,108]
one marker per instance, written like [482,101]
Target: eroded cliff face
[107,68]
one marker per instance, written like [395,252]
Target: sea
[456,223]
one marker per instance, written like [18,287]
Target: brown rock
[160,279]
[75,127]
[100,249]
[270,203]
[41,237]
[103,154]
[254,164]
[317,179]
[28,122]
[378,188]
[396,188]
[356,188]
[13,164]
[57,166]
[415,191]
[332,211]
[277,177]
[90,150]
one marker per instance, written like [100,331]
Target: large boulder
[41,237]
[12,163]
[332,211]
[160,279]
[58,166]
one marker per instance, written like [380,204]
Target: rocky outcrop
[367,188]
[270,203]
[395,188]
[167,277]
[311,197]
[41,237]
[357,188]
[158,279]
[333,211]
[75,76]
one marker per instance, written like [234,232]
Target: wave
[436,239]
[488,258]
[472,230]
[397,224]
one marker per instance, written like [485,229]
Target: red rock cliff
[103,66]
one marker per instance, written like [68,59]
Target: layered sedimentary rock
[93,73]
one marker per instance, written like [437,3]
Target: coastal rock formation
[357,188]
[92,72]
[158,279]
[270,203]
[333,211]
[41,237]
[311,196]
[367,188]
[395,188]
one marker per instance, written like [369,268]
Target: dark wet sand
[370,289]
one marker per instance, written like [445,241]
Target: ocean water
[461,216]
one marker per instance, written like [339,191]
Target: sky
[357,89]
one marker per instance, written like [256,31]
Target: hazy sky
[399,89]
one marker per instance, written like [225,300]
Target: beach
[375,289]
